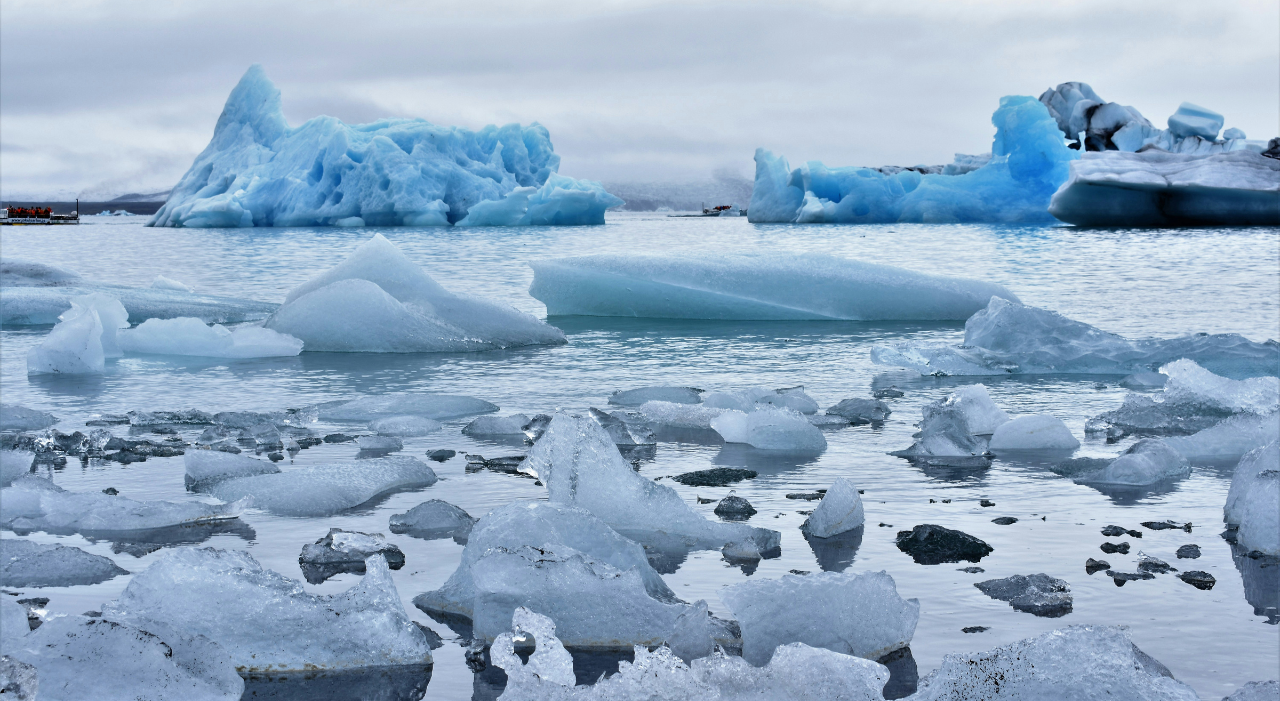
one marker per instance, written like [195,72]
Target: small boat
[18,216]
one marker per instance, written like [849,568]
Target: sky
[99,99]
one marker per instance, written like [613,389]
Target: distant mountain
[142,197]
[688,196]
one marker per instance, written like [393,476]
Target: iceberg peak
[254,104]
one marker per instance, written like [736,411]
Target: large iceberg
[1011,338]
[322,490]
[379,301]
[191,336]
[35,504]
[257,171]
[268,622]
[772,286]
[1028,163]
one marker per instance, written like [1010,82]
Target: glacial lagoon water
[1134,282]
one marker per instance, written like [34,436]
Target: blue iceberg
[257,171]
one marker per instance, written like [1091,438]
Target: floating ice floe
[641,395]
[14,464]
[36,293]
[267,622]
[676,416]
[378,301]
[770,429]
[163,283]
[755,287]
[795,672]
[1147,462]
[14,417]
[204,467]
[1011,338]
[380,444]
[955,427]
[257,171]
[322,490]
[433,519]
[192,337]
[405,426]
[1253,502]
[484,426]
[83,338]
[839,511]
[752,398]
[1036,432]
[861,614]
[345,551]
[1028,163]
[1229,439]
[27,564]
[439,407]
[1076,662]
[36,504]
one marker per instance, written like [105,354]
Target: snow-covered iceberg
[35,504]
[191,336]
[322,490]
[1028,163]
[257,171]
[1253,502]
[771,286]
[1011,338]
[379,301]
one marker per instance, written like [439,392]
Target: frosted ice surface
[792,398]
[860,614]
[1088,663]
[1229,439]
[257,171]
[191,336]
[770,429]
[36,504]
[1035,432]
[1256,691]
[378,301]
[981,412]
[1146,462]
[641,395]
[744,286]
[111,314]
[380,443]
[1011,338]
[405,426]
[673,415]
[693,635]
[623,429]
[433,519]
[14,417]
[1245,477]
[1190,384]
[14,464]
[861,409]
[549,661]
[73,347]
[205,467]
[951,427]
[440,407]
[322,490]
[268,622]
[1256,504]
[163,283]
[839,511]
[1194,120]
[512,425]
[27,564]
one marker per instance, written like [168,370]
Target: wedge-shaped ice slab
[509,426]
[14,464]
[1253,502]
[440,407]
[1157,188]
[204,467]
[839,511]
[433,519]
[73,347]
[861,614]
[1192,387]
[1035,432]
[1011,338]
[259,172]
[36,504]
[191,336]
[14,417]
[1087,663]
[322,490]
[766,428]
[582,467]
[752,287]
[268,622]
[27,564]
[378,301]
[93,658]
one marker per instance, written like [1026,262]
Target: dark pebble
[944,501]
[986,502]
[715,477]
[1111,548]
[704,501]
[807,496]
[1113,531]
[1198,579]
[929,544]
[1091,565]
[799,571]
[111,491]
[1166,525]
[1189,552]
[338,438]
[734,508]
[1004,521]
[275,457]
[975,629]
[1122,577]
[971,570]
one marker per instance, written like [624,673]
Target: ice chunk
[36,504]
[1038,594]
[549,661]
[951,427]
[1254,501]
[163,283]
[1228,439]
[862,615]
[1194,120]
[1036,432]
[1078,662]
[980,411]
[839,511]
[743,286]
[497,426]
[256,171]
[379,301]
[1254,463]
[628,435]
[73,347]
[1191,385]
[642,395]
[14,464]
[404,426]
[770,429]
[673,415]
[27,564]
[859,410]
[742,400]
[191,336]
[1256,691]
[1010,338]
[440,407]
[205,467]
[13,623]
[1147,462]
[14,417]
[929,544]
[322,490]
[386,444]
[1142,415]
[345,551]
[433,519]
[694,635]
[269,623]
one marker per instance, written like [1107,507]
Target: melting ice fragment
[345,551]
[839,511]
[204,467]
[433,519]
[14,417]
[191,336]
[322,490]
[1147,462]
[1037,594]
[27,564]
[483,426]
[1036,432]
[641,395]
[781,430]
[952,429]
[36,504]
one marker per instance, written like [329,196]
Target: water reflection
[1261,575]
[405,683]
[762,461]
[836,553]
[141,543]
[904,677]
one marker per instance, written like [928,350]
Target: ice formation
[36,293]
[36,504]
[163,283]
[379,301]
[191,336]
[386,444]
[770,429]
[861,410]
[27,564]
[257,171]
[1010,338]
[405,426]
[433,519]
[439,407]
[346,551]
[268,622]
[322,490]
[14,417]
[14,464]
[1076,662]
[581,467]
[497,426]
[671,415]
[954,427]
[743,286]
[1253,502]
[79,344]
[1257,691]
[641,395]
[1029,161]
[839,511]
[1190,385]
[1036,432]
[861,614]
[1228,439]
[1147,462]
[204,467]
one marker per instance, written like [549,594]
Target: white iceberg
[839,511]
[257,171]
[191,336]
[1253,502]
[1035,432]
[378,301]
[27,564]
[1146,462]
[323,490]
[770,429]
[1011,338]
[268,623]
[405,426]
[1076,662]
[742,286]
[36,504]
[204,467]
[860,614]
[163,283]
[73,347]
[438,407]
[14,417]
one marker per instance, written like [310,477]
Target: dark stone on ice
[1198,579]
[1112,548]
[1155,566]
[1091,565]
[1037,594]
[1004,521]
[800,572]
[715,477]
[975,629]
[929,544]
[807,496]
[890,392]
[733,508]
[1113,531]
[986,502]
[973,569]
[441,455]
[1122,577]
[330,556]
[1189,552]
[1166,525]
[338,438]
[111,491]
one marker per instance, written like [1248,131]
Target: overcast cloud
[98,99]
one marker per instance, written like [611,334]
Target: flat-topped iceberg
[192,337]
[755,287]
[257,171]
[322,490]
[1011,338]
[268,622]
[35,504]
[379,301]
[27,564]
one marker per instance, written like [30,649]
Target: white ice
[14,464]
[257,171]
[380,443]
[746,286]
[767,428]
[433,518]
[36,504]
[1146,462]
[1256,691]
[163,283]
[641,395]
[672,415]
[204,467]
[73,347]
[1035,432]
[439,407]
[1228,439]
[405,426]
[512,425]
[1253,502]
[840,510]
[322,490]
[268,622]
[192,337]
[1190,385]
[952,427]
[859,614]
[27,564]
[14,417]
[378,301]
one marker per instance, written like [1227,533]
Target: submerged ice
[321,490]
